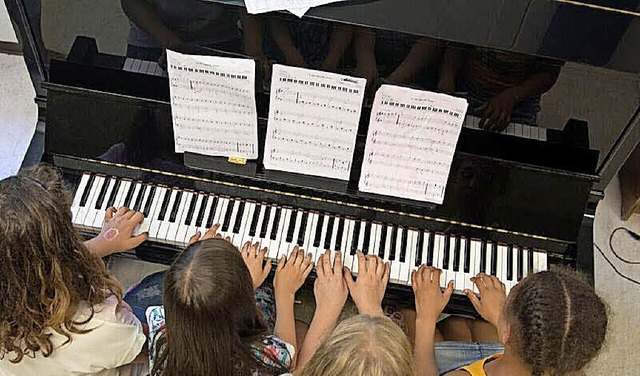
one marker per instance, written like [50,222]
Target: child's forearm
[321,325]
[285,327]
[425,353]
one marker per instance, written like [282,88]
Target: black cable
[614,267]
[633,235]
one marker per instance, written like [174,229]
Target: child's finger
[387,272]
[320,269]
[262,254]
[194,238]
[136,240]
[308,270]
[362,262]
[326,262]
[473,298]
[245,248]
[337,261]
[281,262]
[109,213]
[267,269]
[449,290]
[348,278]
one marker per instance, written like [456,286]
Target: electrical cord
[634,236]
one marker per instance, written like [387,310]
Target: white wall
[6,28]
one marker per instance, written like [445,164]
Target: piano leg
[584,252]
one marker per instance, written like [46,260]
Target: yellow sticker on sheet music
[237,160]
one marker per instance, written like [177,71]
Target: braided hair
[559,323]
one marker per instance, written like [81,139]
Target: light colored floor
[621,354]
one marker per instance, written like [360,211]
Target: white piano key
[283,225]
[425,247]
[146,222]
[92,212]
[135,65]
[347,236]
[228,232]
[354,265]
[474,269]
[164,224]
[487,264]
[510,130]
[412,251]
[334,234]
[526,131]
[317,251]
[183,208]
[387,242]
[460,276]
[542,134]
[154,227]
[122,192]
[515,268]
[525,263]
[157,69]
[438,254]
[310,232]
[256,238]
[395,263]
[245,226]
[519,131]
[501,270]
[100,213]
[128,62]
[144,65]
[192,228]
[221,211]
[78,195]
[296,229]
[374,245]
[450,274]
[272,252]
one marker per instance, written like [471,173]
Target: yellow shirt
[477,368]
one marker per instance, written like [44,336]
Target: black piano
[517,202]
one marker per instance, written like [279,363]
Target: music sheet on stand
[410,143]
[213,105]
[313,122]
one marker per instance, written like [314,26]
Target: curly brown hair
[559,322]
[45,269]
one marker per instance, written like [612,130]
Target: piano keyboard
[144,66]
[173,215]
[513,129]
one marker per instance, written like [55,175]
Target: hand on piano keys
[253,257]
[291,273]
[430,298]
[368,290]
[117,232]
[493,294]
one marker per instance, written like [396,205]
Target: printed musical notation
[213,105]
[313,122]
[297,7]
[410,144]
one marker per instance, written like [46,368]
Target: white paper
[313,122]
[410,143]
[213,105]
[297,7]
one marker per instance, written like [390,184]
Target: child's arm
[341,36]
[117,233]
[146,17]
[430,301]
[290,275]
[331,292]
[368,290]
[453,59]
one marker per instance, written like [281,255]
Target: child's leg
[420,55]
[456,328]
[482,331]
[146,293]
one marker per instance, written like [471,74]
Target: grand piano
[517,202]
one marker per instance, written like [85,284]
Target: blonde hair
[363,345]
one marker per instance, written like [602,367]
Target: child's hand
[492,297]
[117,232]
[211,233]
[291,273]
[254,260]
[330,288]
[430,300]
[368,290]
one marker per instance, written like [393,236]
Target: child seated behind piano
[552,323]
[210,323]
[61,311]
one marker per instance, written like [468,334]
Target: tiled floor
[620,356]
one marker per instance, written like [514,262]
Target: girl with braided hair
[552,324]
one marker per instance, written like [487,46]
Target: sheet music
[410,144]
[213,105]
[313,121]
[297,7]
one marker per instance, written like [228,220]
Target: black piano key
[530,262]
[419,248]
[238,222]
[510,263]
[467,255]
[383,241]
[265,223]
[319,224]
[103,193]
[394,237]
[129,196]
[165,205]
[292,226]
[446,255]
[340,234]
[201,211]
[191,210]
[403,245]
[138,202]
[494,258]
[87,190]
[483,257]
[519,261]
[303,229]
[227,216]
[254,220]
[356,236]
[329,233]
[176,206]
[367,238]
[147,205]
[212,212]
[114,193]
[276,223]
[432,240]
[456,254]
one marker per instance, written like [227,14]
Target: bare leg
[452,61]
[409,317]
[482,331]
[341,37]
[420,55]
[456,329]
